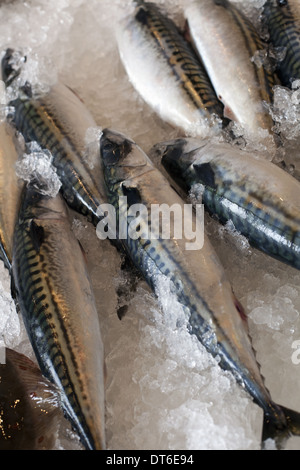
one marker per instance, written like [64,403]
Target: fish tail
[280,434]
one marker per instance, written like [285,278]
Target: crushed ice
[36,167]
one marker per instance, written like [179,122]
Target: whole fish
[58,121]
[10,192]
[166,72]
[226,42]
[261,199]
[215,316]
[282,18]
[57,303]
[29,405]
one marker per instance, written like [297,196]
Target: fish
[227,42]
[29,405]
[10,191]
[215,316]
[260,198]
[55,297]
[58,121]
[166,72]
[282,18]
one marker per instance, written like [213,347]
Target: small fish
[226,42]
[55,297]
[58,121]
[282,18]
[261,199]
[29,405]
[198,280]
[166,72]
[10,192]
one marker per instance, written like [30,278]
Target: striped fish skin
[215,316]
[10,192]
[166,72]
[55,297]
[226,41]
[58,121]
[29,405]
[283,21]
[261,199]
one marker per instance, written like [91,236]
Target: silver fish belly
[226,42]
[58,121]
[165,71]
[10,192]
[56,300]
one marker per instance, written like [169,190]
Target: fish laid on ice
[261,199]
[58,121]
[227,42]
[199,282]
[29,405]
[55,297]
[282,18]
[10,191]
[166,72]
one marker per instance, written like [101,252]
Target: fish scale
[283,22]
[57,304]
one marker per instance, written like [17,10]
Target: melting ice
[163,390]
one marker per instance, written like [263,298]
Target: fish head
[121,157]
[176,156]
[11,65]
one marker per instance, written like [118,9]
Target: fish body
[10,192]
[261,199]
[166,72]
[57,303]
[29,405]
[226,42]
[58,121]
[215,317]
[283,21]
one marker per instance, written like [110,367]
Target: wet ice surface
[163,391]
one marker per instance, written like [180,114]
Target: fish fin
[206,174]
[37,235]
[280,436]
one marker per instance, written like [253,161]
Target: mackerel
[198,280]
[282,18]
[58,121]
[261,199]
[166,72]
[227,42]
[55,297]
[10,191]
